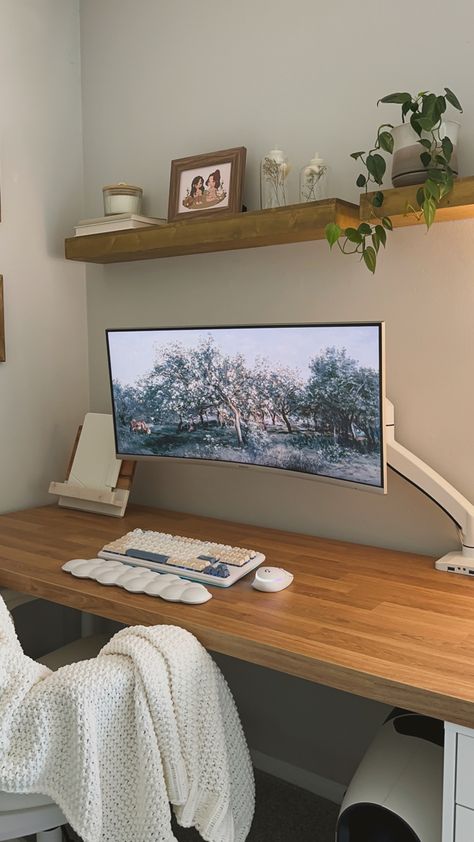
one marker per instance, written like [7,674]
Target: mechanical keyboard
[190,558]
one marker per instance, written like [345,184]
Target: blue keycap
[147,556]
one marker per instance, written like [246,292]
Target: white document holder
[91,485]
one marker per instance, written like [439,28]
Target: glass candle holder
[122,198]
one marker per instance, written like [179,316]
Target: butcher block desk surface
[378,623]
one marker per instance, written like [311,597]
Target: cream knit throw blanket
[113,740]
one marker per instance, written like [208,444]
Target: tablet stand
[97,481]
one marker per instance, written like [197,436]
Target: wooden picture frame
[207,185]
[2,324]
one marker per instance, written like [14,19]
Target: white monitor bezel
[282,472]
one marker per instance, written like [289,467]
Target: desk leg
[87,624]
[449,781]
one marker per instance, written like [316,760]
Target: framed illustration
[209,184]
[2,324]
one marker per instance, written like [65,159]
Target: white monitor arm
[438,489]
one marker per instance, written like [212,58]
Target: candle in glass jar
[122,198]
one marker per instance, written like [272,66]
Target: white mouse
[272,579]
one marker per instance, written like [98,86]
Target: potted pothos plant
[436,169]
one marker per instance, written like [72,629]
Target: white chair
[22,815]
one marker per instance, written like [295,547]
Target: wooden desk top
[381,624]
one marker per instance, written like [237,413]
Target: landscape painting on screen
[301,398]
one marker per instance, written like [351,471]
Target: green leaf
[377,201]
[382,234]
[386,141]
[447,148]
[453,100]
[433,107]
[387,223]
[429,211]
[361,181]
[364,229]
[425,158]
[430,191]
[428,105]
[370,258]
[446,188]
[427,123]
[376,166]
[356,155]
[414,122]
[436,175]
[399,98]
[425,142]
[406,107]
[420,196]
[376,242]
[332,232]
[353,235]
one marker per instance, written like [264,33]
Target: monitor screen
[301,398]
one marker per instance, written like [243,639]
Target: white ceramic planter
[406,165]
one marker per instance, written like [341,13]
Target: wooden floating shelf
[459,204]
[291,224]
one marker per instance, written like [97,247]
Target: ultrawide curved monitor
[301,398]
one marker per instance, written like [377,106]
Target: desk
[378,623]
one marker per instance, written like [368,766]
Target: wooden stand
[109,490]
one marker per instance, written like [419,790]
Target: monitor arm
[438,489]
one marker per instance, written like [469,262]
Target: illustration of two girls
[210,194]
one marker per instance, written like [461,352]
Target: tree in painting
[201,402]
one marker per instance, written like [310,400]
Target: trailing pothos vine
[426,116]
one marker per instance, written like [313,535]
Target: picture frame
[2,324]
[207,185]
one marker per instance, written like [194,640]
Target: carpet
[284,813]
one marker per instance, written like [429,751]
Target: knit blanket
[115,740]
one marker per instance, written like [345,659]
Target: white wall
[163,80]
[44,382]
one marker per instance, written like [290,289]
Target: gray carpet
[284,813]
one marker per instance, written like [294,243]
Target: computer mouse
[272,579]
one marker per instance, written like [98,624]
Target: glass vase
[274,171]
[314,180]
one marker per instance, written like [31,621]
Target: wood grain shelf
[459,204]
[291,224]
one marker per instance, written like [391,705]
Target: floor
[284,813]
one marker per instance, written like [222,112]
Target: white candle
[122,198]
[122,204]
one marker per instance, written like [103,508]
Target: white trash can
[396,794]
